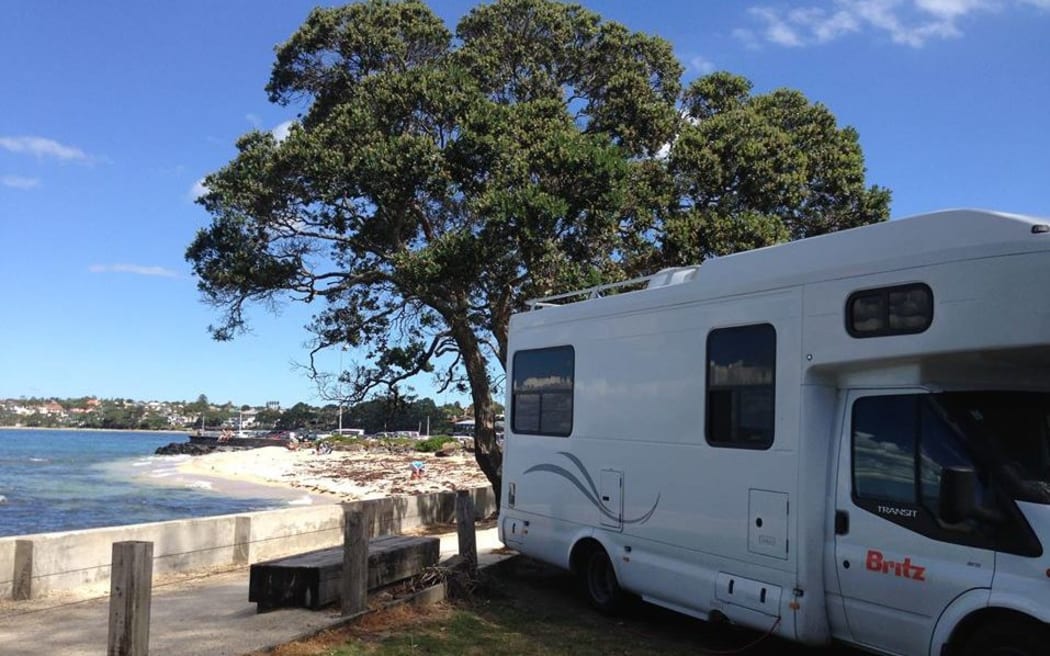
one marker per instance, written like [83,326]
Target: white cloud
[951,8]
[19,182]
[907,22]
[280,133]
[42,147]
[1040,4]
[254,120]
[777,30]
[747,37]
[828,27]
[136,269]
[198,189]
[701,65]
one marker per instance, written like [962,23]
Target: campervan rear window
[741,386]
[541,400]
[899,310]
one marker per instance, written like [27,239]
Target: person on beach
[226,435]
[418,468]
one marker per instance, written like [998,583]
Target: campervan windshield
[1011,430]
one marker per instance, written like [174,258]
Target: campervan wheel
[600,584]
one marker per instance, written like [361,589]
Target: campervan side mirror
[958,494]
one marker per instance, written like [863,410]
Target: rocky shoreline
[184,449]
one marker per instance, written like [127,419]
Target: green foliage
[406,443]
[753,170]
[299,416]
[394,414]
[267,418]
[435,182]
[433,444]
[343,439]
[154,422]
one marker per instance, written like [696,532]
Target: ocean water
[57,480]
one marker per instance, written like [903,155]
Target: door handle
[841,522]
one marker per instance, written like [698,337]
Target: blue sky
[111,112]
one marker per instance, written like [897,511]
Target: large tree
[751,171]
[436,181]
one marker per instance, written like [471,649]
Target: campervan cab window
[891,435]
[741,377]
[902,443]
[542,391]
[1013,428]
[899,310]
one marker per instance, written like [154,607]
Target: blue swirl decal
[590,490]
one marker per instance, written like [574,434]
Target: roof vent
[674,276]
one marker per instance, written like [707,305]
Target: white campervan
[841,438]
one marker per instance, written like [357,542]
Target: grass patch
[491,629]
[523,608]
[461,632]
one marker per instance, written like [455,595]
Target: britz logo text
[876,562]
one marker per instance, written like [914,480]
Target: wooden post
[468,541]
[22,586]
[131,583]
[354,595]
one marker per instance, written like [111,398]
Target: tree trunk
[487,452]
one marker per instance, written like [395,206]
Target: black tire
[600,585]
[1007,637]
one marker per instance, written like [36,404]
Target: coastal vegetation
[438,178]
[378,415]
[90,412]
[423,445]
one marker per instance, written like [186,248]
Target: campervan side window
[741,384]
[542,391]
[900,310]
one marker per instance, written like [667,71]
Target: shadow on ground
[523,595]
[520,607]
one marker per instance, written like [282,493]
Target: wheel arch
[581,549]
[971,623]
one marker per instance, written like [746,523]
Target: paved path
[207,616]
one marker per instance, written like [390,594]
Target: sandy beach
[340,475]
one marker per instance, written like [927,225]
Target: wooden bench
[312,579]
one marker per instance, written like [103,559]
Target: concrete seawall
[34,566]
